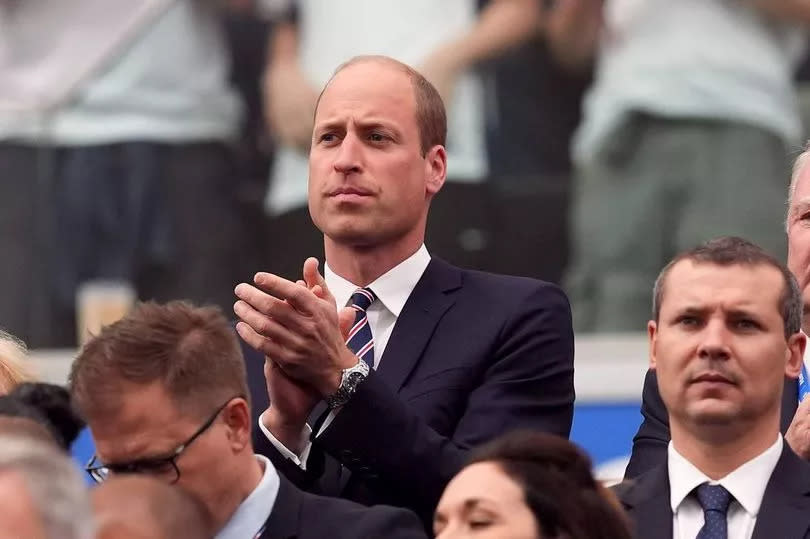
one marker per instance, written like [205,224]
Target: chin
[714,412]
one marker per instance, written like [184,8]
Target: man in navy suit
[650,442]
[439,359]
[725,333]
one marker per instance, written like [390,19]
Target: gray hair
[798,166]
[54,483]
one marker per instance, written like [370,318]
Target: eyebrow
[800,206]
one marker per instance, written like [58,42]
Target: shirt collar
[747,483]
[252,513]
[393,288]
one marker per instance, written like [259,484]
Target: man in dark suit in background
[467,355]
[164,393]
[650,442]
[725,334]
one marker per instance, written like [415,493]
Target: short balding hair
[733,251]
[193,352]
[431,116]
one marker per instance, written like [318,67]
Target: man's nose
[347,159]
[714,341]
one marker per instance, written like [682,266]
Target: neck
[363,265]
[244,481]
[717,450]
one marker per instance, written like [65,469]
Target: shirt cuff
[304,443]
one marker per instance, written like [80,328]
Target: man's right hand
[798,434]
[290,405]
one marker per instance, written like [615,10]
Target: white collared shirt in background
[392,289]
[746,484]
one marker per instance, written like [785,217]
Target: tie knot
[713,497]
[362,298]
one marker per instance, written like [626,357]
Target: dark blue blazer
[650,442]
[784,513]
[472,355]
[299,515]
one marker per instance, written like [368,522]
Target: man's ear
[237,418]
[436,169]
[796,345]
[652,335]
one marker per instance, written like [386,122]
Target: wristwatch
[349,381]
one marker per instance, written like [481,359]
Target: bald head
[136,507]
[431,117]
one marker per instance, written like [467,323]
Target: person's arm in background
[797,11]
[289,98]
[572,29]
[651,440]
[501,25]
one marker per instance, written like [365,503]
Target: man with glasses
[164,394]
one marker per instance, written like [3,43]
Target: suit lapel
[785,510]
[646,500]
[426,305]
[790,400]
[284,519]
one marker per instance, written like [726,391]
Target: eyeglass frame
[133,467]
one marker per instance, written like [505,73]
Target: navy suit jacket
[650,442]
[784,513]
[472,355]
[298,515]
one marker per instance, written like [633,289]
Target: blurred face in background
[798,229]
[18,515]
[484,502]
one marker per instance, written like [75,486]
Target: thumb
[314,279]
[346,317]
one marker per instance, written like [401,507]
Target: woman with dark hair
[529,485]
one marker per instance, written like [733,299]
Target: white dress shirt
[252,513]
[746,484]
[392,289]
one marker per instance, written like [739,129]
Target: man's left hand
[299,327]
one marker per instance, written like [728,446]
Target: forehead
[146,421]
[368,88]
[689,283]
[486,481]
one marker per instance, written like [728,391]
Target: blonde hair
[14,366]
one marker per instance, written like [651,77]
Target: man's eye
[688,321]
[327,137]
[479,524]
[746,324]
[377,137]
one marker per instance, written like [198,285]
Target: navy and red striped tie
[360,340]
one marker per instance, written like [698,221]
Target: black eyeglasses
[161,467]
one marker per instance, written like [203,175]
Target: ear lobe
[795,354]
[436,164]
[237,418]
[652,335]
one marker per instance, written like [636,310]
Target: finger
[256,341]
[286,335]
[314,278]
[346,318]
[300,298]
[283,311]
[301,282]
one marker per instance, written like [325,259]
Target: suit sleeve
[650,442]
[529,384]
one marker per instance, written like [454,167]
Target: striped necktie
[360,340]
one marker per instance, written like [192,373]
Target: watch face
[355,377]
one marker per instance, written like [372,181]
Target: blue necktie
[715,500]
[804,384]
[360,340]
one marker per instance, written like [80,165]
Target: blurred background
[156,149]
